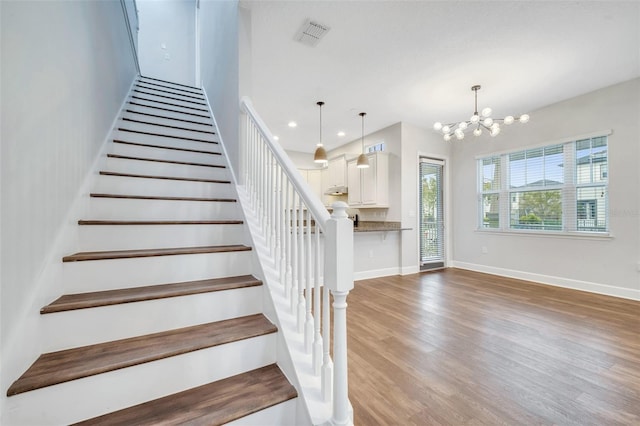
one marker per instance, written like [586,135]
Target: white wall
[219,59]
[607,265]
[168,23]
[66,68]
[303,160]
[134,23]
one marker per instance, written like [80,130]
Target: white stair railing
[311,251]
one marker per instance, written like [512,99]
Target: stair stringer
[26,337]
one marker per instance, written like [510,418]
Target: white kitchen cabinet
[369,187]
[336,173]
[314,178]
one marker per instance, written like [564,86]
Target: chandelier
[477,122]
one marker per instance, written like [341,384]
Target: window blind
[560,187]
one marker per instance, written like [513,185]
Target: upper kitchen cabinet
[369,187]
[336,174]
[314,178]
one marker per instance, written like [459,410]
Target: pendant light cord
[362,114]
[320,103]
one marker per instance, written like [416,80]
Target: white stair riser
[168,154]
[146,80]
[97,275]
[198,108]
[89,397]
[154,168]
[169,91]
[208,143]
[123,237]
[64,330]
[162,187]
[283,414]
[142,106]
[159,117]
[130,209]
[139,100]
[166,131]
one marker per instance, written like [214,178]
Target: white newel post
[339,279]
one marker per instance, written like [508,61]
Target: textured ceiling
[415,61]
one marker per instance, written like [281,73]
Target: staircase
[162,321]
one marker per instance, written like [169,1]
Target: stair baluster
[289,213]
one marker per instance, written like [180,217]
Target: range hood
[337,190]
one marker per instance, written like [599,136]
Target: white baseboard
[375,273]
[625,293]
[408,270]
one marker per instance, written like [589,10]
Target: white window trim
[562,141]
[576,235]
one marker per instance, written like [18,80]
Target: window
[490,177]
[536,177]
[377,147]
[561,188]
[591,166]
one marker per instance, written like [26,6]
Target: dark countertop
[378,227]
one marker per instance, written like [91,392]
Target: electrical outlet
[485,250]
[167,56]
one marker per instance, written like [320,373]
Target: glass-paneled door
[431,214]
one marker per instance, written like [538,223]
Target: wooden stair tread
[71,364]
[160,222]
[170,82]
[149,87]
[140,132]
[169,103]
[164,117]
[134,175]
[128,254]
[211,404]
[155,160]
[173,148]
[150,123]
[162,197]
[70,302]
[165,109]
[150,83]
[169,97]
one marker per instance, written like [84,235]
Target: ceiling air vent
[311,32]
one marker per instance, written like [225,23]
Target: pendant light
[363,161]
[320,156]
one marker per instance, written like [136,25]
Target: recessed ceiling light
[293,124]
[276,137]
[341,134]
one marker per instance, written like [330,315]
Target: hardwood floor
[455,347]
